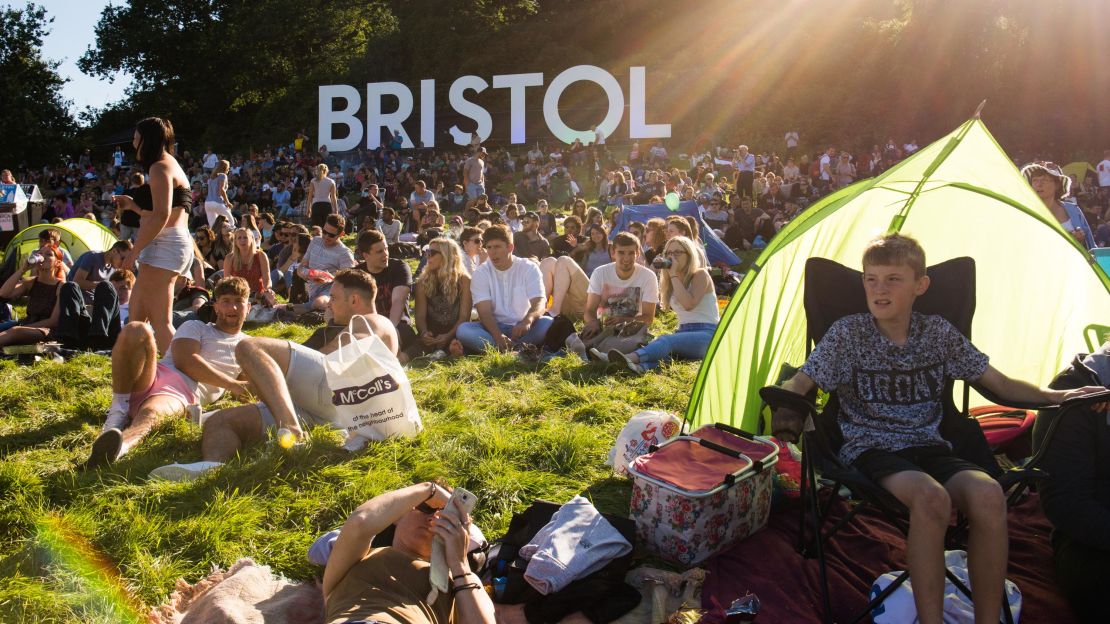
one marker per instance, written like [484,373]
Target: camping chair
[1095,335]
[831,292]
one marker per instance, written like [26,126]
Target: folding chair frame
[812,537]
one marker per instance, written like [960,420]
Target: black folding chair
[833,291]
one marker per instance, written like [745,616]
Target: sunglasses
[433,252]
[328,234]
[675,253]
[427,509]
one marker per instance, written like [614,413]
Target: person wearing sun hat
[1052,186]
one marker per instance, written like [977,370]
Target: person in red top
[249,262]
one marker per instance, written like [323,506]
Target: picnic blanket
[790,588]
[247,593]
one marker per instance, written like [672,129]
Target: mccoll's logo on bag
[360,394]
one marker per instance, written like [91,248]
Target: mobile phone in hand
[466,498]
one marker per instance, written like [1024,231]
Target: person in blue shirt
[93,267]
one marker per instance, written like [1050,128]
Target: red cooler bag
[697,494]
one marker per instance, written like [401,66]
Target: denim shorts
[171,250]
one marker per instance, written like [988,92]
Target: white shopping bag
[370,390]
[898,608]
[646,428]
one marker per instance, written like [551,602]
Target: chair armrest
[777,397]
[1085,400]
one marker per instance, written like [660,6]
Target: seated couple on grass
[59,310]
[894,439]
[199,366]
[684,287]
[289,378]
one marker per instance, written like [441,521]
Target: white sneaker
[184,472]
[117,419]
[598,355]
[617,357]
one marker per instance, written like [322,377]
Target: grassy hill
[105,545]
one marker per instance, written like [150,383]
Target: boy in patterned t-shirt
[889,369]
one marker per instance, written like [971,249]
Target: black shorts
[936,461]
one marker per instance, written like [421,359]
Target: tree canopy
[35,125]
[230,74]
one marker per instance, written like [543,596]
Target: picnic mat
[789,586]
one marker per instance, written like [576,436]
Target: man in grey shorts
[289,378]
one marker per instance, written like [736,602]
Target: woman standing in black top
[164,246]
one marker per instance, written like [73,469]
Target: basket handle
[757,464]
[734,431]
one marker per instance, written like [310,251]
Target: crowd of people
[509,256]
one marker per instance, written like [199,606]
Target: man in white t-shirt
[210,161]
[200,365]
[620,292]
[791,141]
[826,168]
[509,296]
[1103,170]
[599,136]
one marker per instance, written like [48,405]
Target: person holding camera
[685,287]
[392,583]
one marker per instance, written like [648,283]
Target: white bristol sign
[376,119]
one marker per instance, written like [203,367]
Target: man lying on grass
[288,377]
[890,368]
[200,365]
[392,584]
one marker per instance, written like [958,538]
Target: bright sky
[71,34]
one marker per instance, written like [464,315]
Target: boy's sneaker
[106,448]
[437,355]
[184,472]
[616,357]
[116,419]
[599,356]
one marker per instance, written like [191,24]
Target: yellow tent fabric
[1037,289]
[1078,170]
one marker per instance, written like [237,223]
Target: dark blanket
[790,589]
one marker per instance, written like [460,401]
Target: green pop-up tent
[1037,289]
[77,236]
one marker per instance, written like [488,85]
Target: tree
[36,127]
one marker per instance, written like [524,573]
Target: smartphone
[466,498]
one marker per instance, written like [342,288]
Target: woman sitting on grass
[686,288]
[41,290]
[392,583]
[300,245]
[442,299]
[596,252]
[249,262]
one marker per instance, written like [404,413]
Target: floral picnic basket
[699,493]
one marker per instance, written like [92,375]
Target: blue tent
[718,252]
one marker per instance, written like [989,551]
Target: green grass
[105,545]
